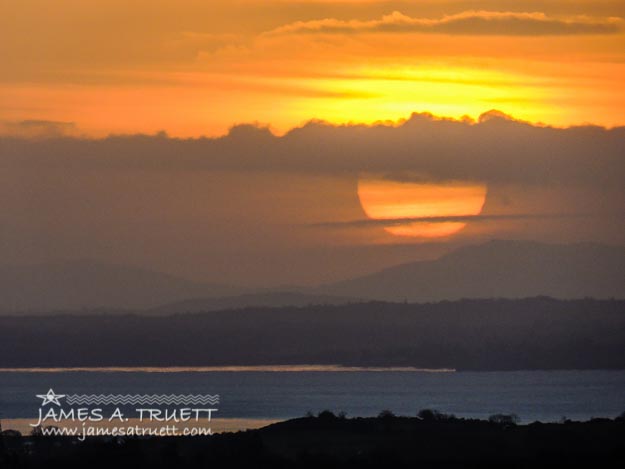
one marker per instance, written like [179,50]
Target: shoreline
[217,425]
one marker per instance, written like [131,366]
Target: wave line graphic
[134,399]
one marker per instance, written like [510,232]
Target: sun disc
[383,199]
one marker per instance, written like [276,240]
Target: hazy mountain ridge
[86,284]
[498,269]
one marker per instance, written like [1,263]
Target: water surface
[284,393]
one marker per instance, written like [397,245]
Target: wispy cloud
[36,128]
[368,222]
[479,23]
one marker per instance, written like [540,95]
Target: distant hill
[498,269]
[92,285]
[265,299]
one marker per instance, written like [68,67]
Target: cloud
[34,128]
[477,23]
[495,149]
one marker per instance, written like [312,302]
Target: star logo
[50,397]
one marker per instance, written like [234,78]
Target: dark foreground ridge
[433,440]
[488,334]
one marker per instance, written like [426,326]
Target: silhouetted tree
[36,431]
[506,420]
[326,415]
[430,415]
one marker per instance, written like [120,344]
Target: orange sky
[195,67]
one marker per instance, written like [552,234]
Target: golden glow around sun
[383,199]
[373,94]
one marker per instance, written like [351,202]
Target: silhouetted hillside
[538,333]
[328,441]
[498,269]
[92,285]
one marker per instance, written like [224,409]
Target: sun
[383,199]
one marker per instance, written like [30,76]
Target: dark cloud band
[494,150]
[447,219]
